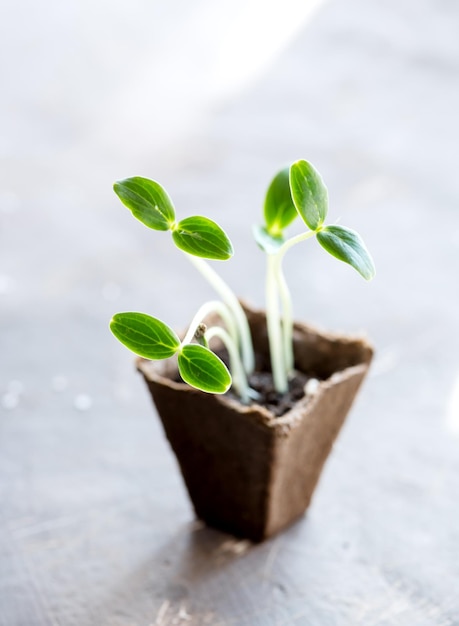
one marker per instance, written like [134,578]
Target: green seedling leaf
[201,368]
[279,210]
[202,237]
[347,245]
[147,201]
[145,335]
[268,243]
[309,194]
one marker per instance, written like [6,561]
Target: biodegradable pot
[248,472]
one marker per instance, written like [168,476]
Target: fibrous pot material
[248,472]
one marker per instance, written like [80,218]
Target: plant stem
[293,241]
[235,307]
[237,369]
[286,300]
[215,306]
[274,327]
[287,318]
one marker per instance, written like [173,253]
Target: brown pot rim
[161,373]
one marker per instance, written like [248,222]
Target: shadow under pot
[249,472]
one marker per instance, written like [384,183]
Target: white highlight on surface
[10,400]
[311,387]
[258,31]
[6,284]
[82,402]
[452,411]
[168,614]
[197,61]
[161,613]
[235,546]
[59,383]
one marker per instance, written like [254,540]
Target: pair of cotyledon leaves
[151,338]
[299,190]
[150,204]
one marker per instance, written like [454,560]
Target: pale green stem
[287,319]
[274,328]
[215,306]
[237,369]
[286,300]
[293,241]
[235,307]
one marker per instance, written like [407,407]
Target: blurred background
[211,100]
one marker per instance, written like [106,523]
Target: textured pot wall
[224,457]
[300,456]
[246,471]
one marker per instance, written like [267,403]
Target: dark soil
[262,382]
[278,404]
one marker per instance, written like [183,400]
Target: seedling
[294,192]
[298,191]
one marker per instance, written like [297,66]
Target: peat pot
[247,471]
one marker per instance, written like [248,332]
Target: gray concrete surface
[96,528]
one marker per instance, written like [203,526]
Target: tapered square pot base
[248,472]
